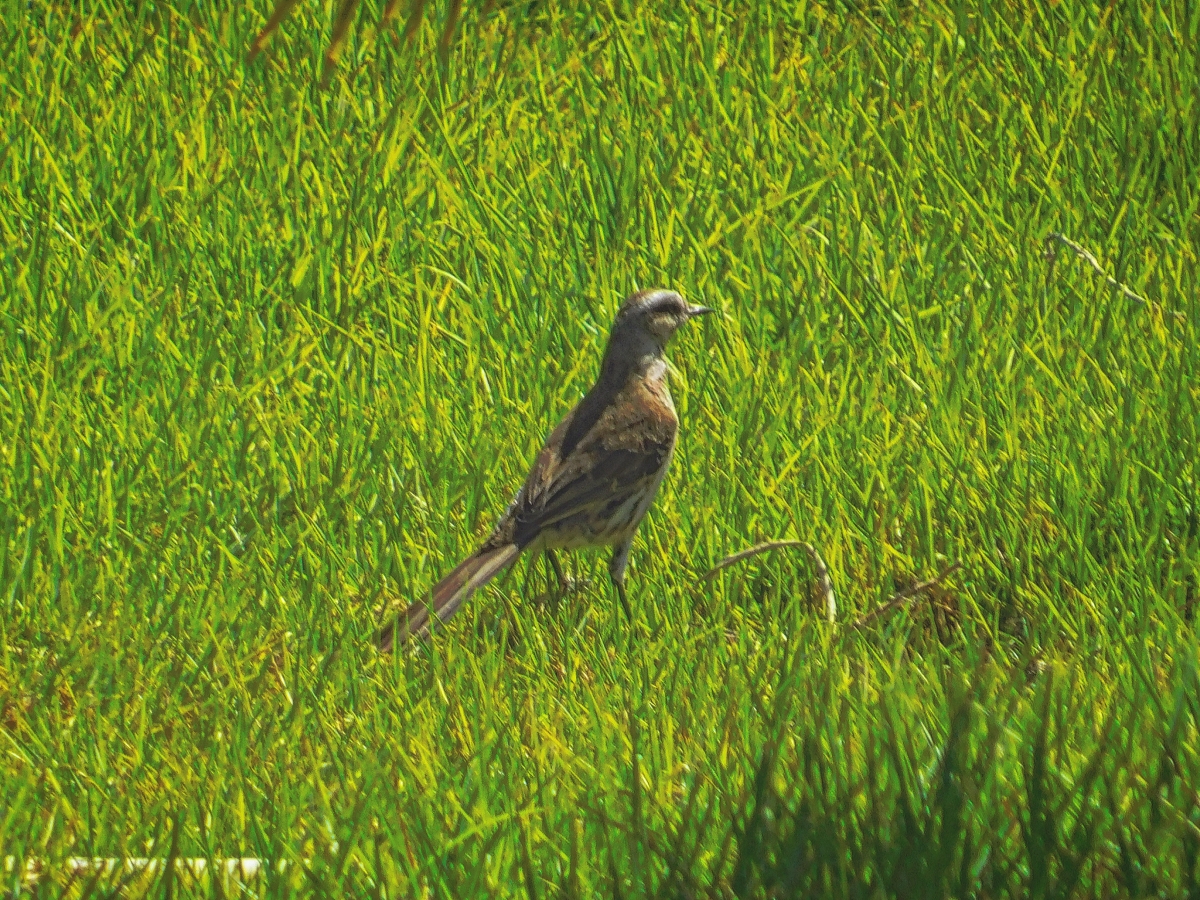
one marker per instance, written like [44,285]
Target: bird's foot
[572,585]
[555,593]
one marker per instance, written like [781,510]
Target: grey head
[641,330]
[656,312]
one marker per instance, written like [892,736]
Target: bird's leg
[624,600]
[563,584]
[616,571]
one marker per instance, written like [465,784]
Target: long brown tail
[447,596]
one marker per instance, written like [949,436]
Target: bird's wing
[620,456]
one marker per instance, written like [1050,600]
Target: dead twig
[1088,257]
[901,597]
[818,564]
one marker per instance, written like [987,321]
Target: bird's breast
[655,394]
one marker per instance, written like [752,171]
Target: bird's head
[655,313]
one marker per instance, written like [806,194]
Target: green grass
[274,358]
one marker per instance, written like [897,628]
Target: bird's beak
[694,311]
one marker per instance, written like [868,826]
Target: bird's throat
[632,353]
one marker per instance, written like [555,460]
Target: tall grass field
[274,356]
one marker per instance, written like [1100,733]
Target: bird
[596,476]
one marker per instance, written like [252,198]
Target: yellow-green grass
[274,358]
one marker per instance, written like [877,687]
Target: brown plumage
[597,475]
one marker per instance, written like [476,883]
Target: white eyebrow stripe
[661,300]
